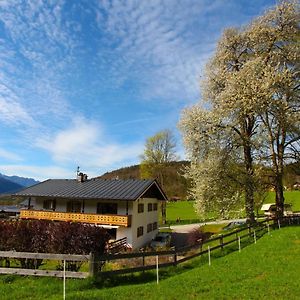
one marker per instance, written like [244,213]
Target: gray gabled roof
[97,188]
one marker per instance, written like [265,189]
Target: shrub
[52,237]
[197,236]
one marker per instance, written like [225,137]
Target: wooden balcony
[119,220]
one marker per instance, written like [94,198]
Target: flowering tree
[277,72]
[251,93]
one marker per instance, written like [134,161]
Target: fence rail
[4,255]
[177,256]
[167,258]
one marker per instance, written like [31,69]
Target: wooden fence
[47,256]
[176,256]
[142,261]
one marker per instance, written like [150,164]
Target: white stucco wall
[143,219]
[138,219]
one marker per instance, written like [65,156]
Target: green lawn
[292,197]
[266,270]
[185,209]
[181,209]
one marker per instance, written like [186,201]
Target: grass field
[185,209]
[292,197]
[266,270]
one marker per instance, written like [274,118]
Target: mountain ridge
[23,181]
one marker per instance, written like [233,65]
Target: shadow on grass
[150,276]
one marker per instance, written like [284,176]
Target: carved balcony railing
[119,220]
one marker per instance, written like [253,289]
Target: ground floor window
[113,233]
[149,227]
[154,226]
[140,231]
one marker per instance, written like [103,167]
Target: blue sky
[84,83]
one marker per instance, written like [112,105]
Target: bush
[51,237]
[197,236]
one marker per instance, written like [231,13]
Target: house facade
[126,208]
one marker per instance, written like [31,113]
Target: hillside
[7,186]
[175,185]
[266,270]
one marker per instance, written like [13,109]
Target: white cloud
[13,112]
[34,57]
[85,144]
[9,155]
[153,48]
[37,172]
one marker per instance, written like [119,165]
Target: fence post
[222,241]
[64,290]
[239,244]
[92,266]
[175,258]
[157,276]
[209,262]
[249,230]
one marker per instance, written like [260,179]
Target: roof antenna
[78,170]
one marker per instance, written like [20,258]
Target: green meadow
[268,269]
[185,209]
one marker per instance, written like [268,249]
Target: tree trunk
[246,133]
[249,185]
[279,183]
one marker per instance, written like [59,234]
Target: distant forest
[176,185]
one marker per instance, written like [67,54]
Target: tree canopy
[249,114]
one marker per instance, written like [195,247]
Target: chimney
[80,176]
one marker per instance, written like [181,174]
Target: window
[149,227]
[140,231]
[154,206]
[49,204]
[140,207]
[149,206]
[154,226]
[74,206]
[107,208]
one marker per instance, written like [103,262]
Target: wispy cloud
[37,172]
[35,51]
[131,65]
[8,155]
[150,47]
[85,144]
